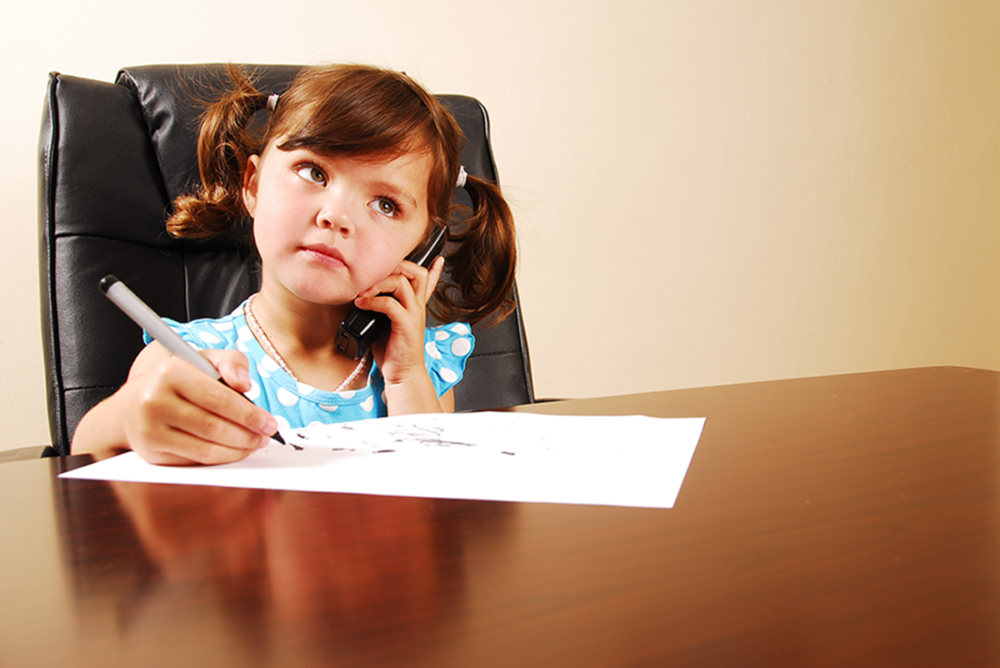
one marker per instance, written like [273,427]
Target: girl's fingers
[409,281]
[184,449]
[219,413]
[226,399]
[388,295]
[233,366]
[433,276]
[403,298]
[186,416]
[424,281]
[230,420]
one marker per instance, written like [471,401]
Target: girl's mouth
[328,255]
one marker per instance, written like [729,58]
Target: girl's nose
[335,214]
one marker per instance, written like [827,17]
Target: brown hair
[356,110]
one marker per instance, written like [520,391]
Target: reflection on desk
[321,574]
[847,520]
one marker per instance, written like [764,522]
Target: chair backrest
[113,157]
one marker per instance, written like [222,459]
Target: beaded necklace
[272,351]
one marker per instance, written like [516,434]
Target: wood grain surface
[844,520]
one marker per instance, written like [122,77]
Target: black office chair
[113,157]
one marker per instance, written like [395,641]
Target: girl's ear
[251,176]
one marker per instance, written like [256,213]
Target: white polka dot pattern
[446,350]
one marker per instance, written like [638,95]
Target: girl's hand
[403,297]
[171,413]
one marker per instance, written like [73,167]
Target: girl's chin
[326,299]
[313,286]
[320,295]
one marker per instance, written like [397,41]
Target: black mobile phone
[362,328]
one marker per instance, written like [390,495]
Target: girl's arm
[171,413]
[403,297]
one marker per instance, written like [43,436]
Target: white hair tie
[462,176]
[272,102]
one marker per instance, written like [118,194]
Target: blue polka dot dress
[295,404]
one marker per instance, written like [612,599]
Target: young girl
[355,169]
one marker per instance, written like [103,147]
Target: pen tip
[107,282]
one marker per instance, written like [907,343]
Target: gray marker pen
[147,318]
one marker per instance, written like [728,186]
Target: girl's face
[328,228]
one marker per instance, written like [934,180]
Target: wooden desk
[849,520]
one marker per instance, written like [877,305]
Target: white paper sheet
[599,460]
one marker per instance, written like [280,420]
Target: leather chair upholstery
[113,157]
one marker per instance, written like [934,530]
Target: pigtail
[482,265]
[225,143]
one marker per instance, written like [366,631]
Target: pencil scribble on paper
[425,435]
[506,437]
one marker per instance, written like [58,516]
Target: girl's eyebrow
[395,191]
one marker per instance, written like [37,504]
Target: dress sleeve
[446,350]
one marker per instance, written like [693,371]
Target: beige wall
[707,192]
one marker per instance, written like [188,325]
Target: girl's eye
[385,206]
[312,173]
